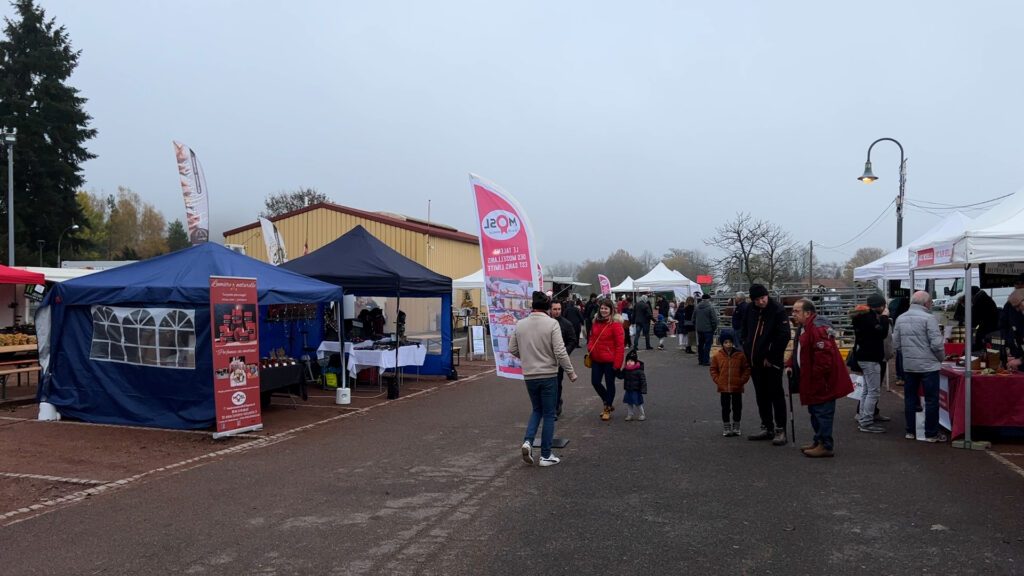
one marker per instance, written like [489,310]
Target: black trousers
[558,406]
[771,397]
[732,402]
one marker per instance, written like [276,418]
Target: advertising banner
[511,273]
[193,190]
[276,252]
[606,285]
[234,331]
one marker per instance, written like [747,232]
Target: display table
[413,355]
[291,379]
[15,361]
[996,400]
[331,347]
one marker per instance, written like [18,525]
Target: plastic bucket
[343,396]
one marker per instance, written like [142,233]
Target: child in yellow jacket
[730,370]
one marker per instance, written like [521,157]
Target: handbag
[851,362]
[586,357]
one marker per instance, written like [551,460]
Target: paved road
[435,485]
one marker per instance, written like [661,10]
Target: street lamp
[61,239]
[10,136]
[868,177]
[41,243]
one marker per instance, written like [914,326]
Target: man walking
[821,372]
[766,334]
[739,315]
[870,329]
[537,342]
[642,316]
[917,335]
[705,319]
[571,312]
[569,337]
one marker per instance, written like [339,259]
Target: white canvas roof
[896,264]
[994,236]
[474,280]
[59,274]
[660,278]
[626,286]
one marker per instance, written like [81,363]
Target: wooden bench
[5,372]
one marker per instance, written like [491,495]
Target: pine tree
[177,238]
[36,60]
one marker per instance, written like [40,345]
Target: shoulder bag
[586,357]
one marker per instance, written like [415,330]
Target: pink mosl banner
[606,285]
[511,272]
[193,190]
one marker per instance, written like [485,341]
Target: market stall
[994,237]
[132,345]
[365,266]
[896,266]
[997,399]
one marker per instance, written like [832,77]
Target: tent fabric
[365,266]
[119,392]
[660,278]
[626,286]
[10,275]
[473,281]
[895,265]
[994,236]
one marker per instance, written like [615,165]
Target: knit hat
[706,296]
[726,335]
[757,291]
[876,301]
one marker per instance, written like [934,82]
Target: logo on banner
[926,257]
[238,398]
[944,254]
[500,225]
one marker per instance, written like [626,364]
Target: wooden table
[20,359]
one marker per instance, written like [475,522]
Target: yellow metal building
[440,248]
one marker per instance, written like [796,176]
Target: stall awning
[10,275]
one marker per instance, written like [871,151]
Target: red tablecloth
[995,400]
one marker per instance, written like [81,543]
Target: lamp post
[41,243]
[868,177]
[10,136]
[61,239]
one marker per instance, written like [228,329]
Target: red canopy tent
[10,275]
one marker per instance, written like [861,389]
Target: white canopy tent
[627,285]
[997,236]
[896,266]
[473,281]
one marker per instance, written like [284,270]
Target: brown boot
[606,415]
[807,447]
[819,451]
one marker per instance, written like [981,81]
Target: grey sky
[640,125]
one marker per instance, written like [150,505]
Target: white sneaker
[629,417]
[528,453]
[550,460]
[642,417]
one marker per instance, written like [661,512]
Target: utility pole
[810,268]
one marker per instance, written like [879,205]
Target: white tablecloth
[385,359]
[328,347]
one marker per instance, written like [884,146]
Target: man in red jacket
[821,372]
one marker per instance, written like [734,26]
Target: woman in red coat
[606,346]
[821,372]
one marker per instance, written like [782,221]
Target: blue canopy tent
[365,266]
[131,345]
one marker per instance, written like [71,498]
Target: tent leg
[342,395]
[968,352]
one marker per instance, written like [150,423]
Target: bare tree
[741,240]
[284,202]
[775,242]
[689,263]
[861,257]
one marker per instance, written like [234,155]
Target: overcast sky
[641,125]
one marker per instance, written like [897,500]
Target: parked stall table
[290,378]
[20,359]
[996,400]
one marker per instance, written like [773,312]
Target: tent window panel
[186,359]
[149,356]
[100,350]
[161,337]
[132,355]
[117,352]
[168,357]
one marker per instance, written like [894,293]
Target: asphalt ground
[436,485]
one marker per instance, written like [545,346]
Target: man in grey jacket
[705,320]
[537,342]
[918,337]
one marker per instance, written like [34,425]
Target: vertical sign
[606,285]
[276,252]
[193,190]
[511,273]
[234,331]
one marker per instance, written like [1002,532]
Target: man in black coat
[572,313]
[589,310]
[870,327]
[571,340]
[642,316]
[766,332]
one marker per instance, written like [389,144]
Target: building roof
[408,223]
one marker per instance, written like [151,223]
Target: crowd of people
[756,349]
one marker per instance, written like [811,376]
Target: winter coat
[634,379]
[589,311]
[817,363]
[870,329]
[984,316]
[705,319]
[1011,322]
[730,371]
[569,335]
[571,313]
[663,308]
[660,329]
[607,343]
[766,334]
[918,337]
[739,314]
[641,313]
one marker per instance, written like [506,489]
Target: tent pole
[968,338]
[398,341]
[339,317]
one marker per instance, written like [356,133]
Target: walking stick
[792,421]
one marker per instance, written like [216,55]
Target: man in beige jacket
[537,342]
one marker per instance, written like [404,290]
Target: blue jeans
[606,371]
[543,395]
[822,416]
[704,340]
[930,382]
